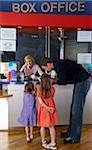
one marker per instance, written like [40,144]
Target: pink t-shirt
[32,70]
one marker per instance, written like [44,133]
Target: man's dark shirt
[70,72]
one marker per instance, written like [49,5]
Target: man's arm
[39,70]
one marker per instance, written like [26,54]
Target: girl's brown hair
[45,86]
[29,88]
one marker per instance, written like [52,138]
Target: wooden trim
[6,96]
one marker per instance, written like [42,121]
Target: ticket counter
[4,110]
[63,98]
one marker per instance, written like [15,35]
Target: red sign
[54,20]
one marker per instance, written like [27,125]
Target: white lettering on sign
[49,7]
[24,7]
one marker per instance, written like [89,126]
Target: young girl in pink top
[47,115]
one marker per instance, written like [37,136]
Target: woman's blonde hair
[45,86]
[29,58]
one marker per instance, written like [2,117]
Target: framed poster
[8,45]
[84,58]
[84,36]
[8,33]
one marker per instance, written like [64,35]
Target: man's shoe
[70,141]
[64,134]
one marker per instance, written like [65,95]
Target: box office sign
[57,13]
[48,7]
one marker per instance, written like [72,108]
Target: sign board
[8,45]
[84,36]
[57,13]
[8,33]
[84,58]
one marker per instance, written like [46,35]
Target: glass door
[31,41]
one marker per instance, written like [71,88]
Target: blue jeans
[76,115]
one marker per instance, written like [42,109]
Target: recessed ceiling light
[78,29]
[20,27]
[40,28]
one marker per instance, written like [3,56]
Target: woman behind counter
[30,68]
